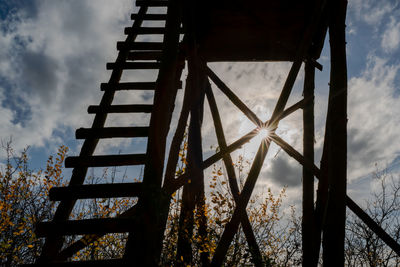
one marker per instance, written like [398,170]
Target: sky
[52,61]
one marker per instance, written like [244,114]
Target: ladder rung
[147,30]
[133,65]
[83,227]
[151,3]
[111,132]
[95,191]
[105,160]
[133,86]
[139,46]
[147,55]
[109,262]
[129,86]
[150,16]
[120,109]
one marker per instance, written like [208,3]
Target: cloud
[284,171]
[374,123]
[53,60]
[370,11]
[391,36]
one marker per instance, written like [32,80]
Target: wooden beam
[349,202]
[308,176]
[133,66]
[150,17]
[126,46]
[120,109]
[105,160]
[192,191]
[232,226]
[111,132]
[154,204]
[87,239]
[182,179]
[334,227]
[110,262]
[247,229]
[232,97]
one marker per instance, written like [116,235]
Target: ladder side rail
[145,240]
[54,243]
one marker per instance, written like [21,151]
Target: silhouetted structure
[235,30]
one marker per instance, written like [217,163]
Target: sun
[263,133]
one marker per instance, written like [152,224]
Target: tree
[278,239]
[363,247]
[24,203]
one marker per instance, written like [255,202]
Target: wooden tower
[212,31]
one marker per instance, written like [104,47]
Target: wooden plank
[333,242]
[120,109]
[151,3]
[145,30]
[111,132]
[146,240]
[232,97]
[133,65]
[139,46]
[95,191]
[132,86]
[144,55]
[308,218]
[232,226]
[193,192]
[83,227]
[148,30]
[105,161]
[128,86]
[110,262]
[150,16]
[219,131]
[181,180]
[349,202]
[373,225]
[82,243]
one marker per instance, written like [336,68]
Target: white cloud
[374,124]
[52,64]
[391,36]
[370,11]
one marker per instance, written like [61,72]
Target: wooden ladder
[132,55]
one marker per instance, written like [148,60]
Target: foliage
[111,245]
[364,247]
[24,203]
[276,237]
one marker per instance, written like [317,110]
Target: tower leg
[334,228]
[193,191]
[308,229]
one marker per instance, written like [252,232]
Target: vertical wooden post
[193,191]
[334,228]
[145,240]
[308,176]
